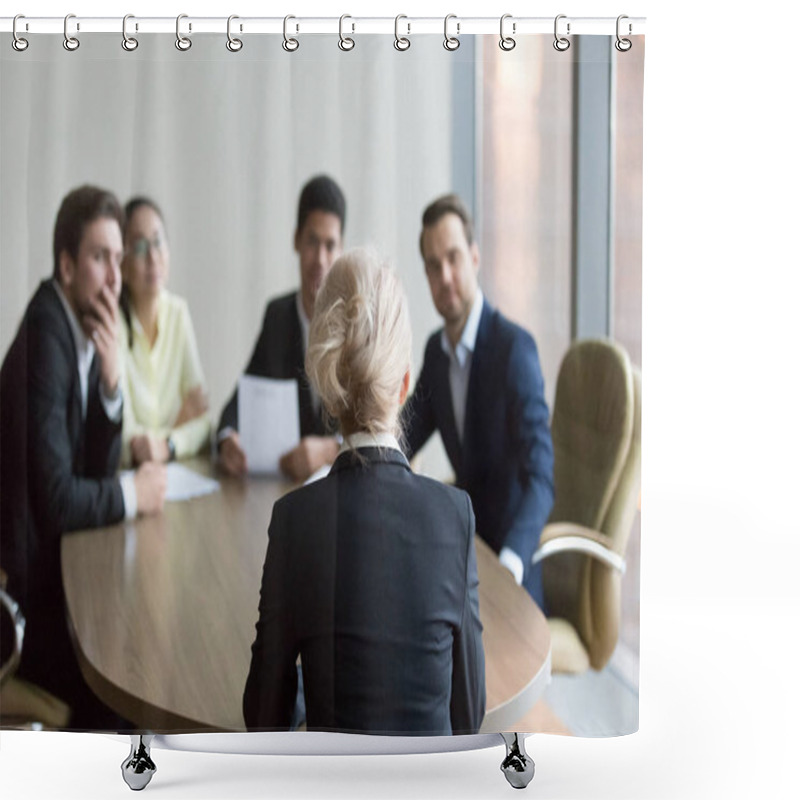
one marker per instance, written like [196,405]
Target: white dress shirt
[85,349]
[460,366]
[461,362]
[364,439]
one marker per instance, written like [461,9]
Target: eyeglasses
[142,247]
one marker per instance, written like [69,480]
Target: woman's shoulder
[305,497]
[443,493]
[174,304]
[175,313]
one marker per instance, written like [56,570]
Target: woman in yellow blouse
[165,411]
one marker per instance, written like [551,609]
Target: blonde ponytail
[359,344]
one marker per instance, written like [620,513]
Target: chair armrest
[566,537]
[18,620]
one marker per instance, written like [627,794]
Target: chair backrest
[596,432]
[22,704]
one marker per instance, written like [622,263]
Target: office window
[627,209]
[627,280]
[524,197]
[525,218]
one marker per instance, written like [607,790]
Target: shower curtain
[542,143]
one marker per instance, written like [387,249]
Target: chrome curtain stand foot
[517,766]
[138,768]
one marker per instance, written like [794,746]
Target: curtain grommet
[451,43]
[346,43]
[401,43]
[507,43]
[233,44]
[623,45]
[289,44]
[183,43]
[70,43]
[19,43]
[560,43]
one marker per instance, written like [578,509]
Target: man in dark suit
[60,438]
[280,349]
[387,621]
[481,387]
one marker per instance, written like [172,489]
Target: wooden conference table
[163,612]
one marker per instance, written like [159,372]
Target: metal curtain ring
[129,43]
[561,43]
[623,45]
[451,42]
[289,44]
[182,42]
[346,42]
[507,42]
[401,42]
[233,44]
[70,42]
[18,43]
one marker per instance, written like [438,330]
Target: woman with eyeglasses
[165,411]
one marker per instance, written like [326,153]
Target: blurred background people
[282,343]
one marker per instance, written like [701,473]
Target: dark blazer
[279,354]
[57,474]
[505,462]
[371,578]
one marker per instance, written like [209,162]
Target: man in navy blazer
[481,387]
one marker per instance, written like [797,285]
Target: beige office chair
[596,432]
[22,704]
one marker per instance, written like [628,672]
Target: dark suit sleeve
[529,427]
[271,687]
[104,439]
[62,500]
[419,422]
[258,366]
[468,695]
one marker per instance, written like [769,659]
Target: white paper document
[269,421]
[184,483]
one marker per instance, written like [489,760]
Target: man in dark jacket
[281,346]
[61,412]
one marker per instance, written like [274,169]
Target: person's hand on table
[232,457]
[150,481]
[308,456]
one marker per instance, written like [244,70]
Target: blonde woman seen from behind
[165,412]
[370,574]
